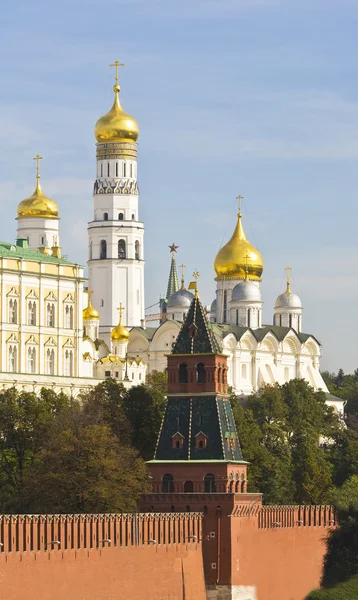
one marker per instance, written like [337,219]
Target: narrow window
[209,483]
[12,359]
[124,169]
[131,170]
[290,320]
[249,317]
[50,316]
[50,361]
[225,307]
[105,216]
[12,310]
[237,317]
[183,373]
[121,249]
[31,313]
[136,250]
[116,169]
[103,249]
[188,487]
[108,170]
[120,217]
[69,363]
[101,170]
[168,484]
[133,217]
[31,360]
[200,373]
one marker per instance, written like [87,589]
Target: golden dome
[116,125]
[89,312]
[239,257]
[38,205]
[120,333]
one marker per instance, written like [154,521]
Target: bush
[343,591]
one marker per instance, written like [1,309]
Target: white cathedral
[55,333]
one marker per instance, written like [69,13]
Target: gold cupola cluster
[120,333]
[38,205]
[116,125]
[239,259]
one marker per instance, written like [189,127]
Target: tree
[157,380]
[85,470]
[144,409]
[338,381]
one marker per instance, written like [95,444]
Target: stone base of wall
[228,592]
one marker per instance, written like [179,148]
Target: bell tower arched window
[120,217]
[103,249]
[209,483]
[121,249]
[136,250]
[168,484]
[105,216]
[200,373]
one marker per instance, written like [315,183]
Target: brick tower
[198,464]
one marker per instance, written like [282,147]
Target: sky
[250,97]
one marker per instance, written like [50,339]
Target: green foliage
[63,455]
[345,387]
[157,380]
[343,591]
[280,429]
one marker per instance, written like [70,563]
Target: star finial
[173,248]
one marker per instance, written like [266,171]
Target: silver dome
[288,300]
[213,306]
[180,299]
[246,291]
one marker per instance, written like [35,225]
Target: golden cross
[239,198]
[89,292]
[37,158]
[116,64]
[246,257]
[182,271]
[196,274]
[288,275]
[120,309]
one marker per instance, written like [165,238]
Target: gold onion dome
[120,333]
[239,257]
[38,205]
[116,125]
[90,312]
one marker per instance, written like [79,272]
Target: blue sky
[232,96]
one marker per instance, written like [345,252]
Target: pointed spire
[195,336]
[173,282]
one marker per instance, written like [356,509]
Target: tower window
[237,317]
[101,170]
[183,373]
[116,169]
[225,307]
[90,250]
[290,320]
[124,169]
[133,217]
[168,484]
[131,170]
[200,373]
[108,169]
[209,483]
[120,217]
[249,317]
[105,216]
[121,249]
[103,249]
[136,250]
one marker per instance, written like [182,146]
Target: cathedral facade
[59,331]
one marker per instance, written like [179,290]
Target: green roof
[13,251]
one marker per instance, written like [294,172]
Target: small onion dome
[238,256]
[246,291]
[116,125]
[288,300]
[89,312]
[120,333]
[38,205]
[180,299]
[213,306]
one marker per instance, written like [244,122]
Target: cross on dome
[239,198]
[116,64]
[288,277]
[37,158]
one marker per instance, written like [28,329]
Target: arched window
[168,484]
[69,316]
[188,487]
[12,310]
[31,313]
[31,360]
[225,307]
[183,373]
[121,249]
[243,482]
[133,217]
[116,169]
[290,320]
[108,170]
[136,250]
[50,361]
[209,483]
[200,373]
[237,317]
[12,359]
[219,375]
[90,250]
[50,314]
[124,169]
[103,249]
[249,317]
[69,363]
[105,216]
[120,217]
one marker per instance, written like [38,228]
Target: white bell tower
[116,252]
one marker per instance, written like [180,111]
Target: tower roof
[38,205]
[196,335]
[173,282]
